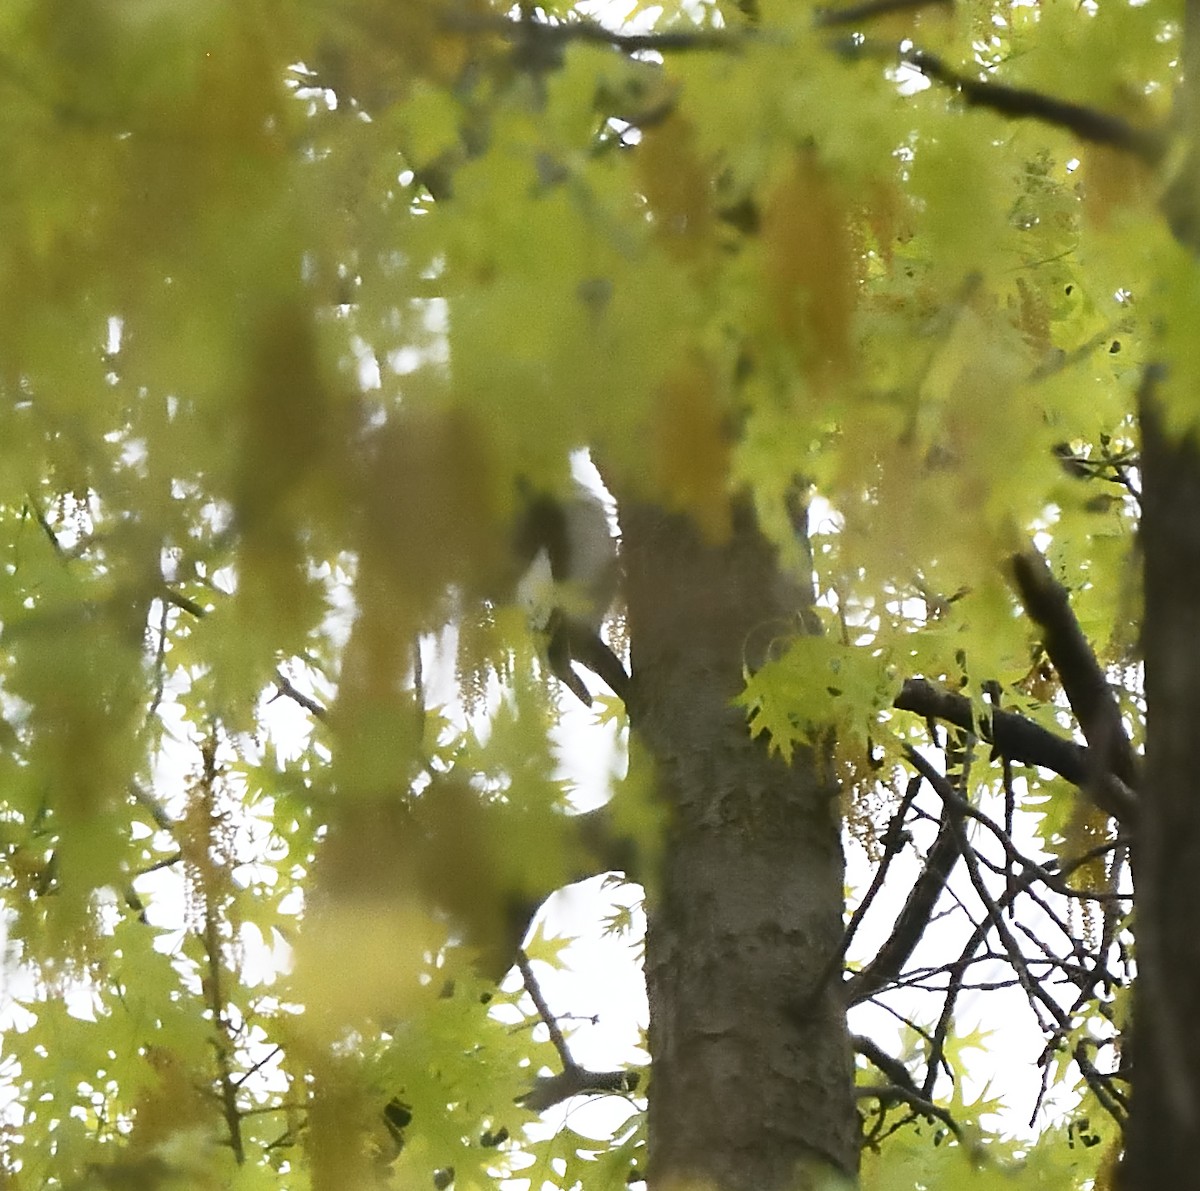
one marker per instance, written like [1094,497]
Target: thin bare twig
[1100,1083]
[573,1080]
[534,989]
[284,685]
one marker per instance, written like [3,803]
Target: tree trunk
[751,1064]
[1164,1130]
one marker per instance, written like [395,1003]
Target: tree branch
[1021,740]
[1018,103]
[285,687]
[534,989]
[902,1086]
[1048,606]
[158,812]
[573,1080]
[913,918]
[540,39]
[47,529]
[893,839]
[549,1090]
[184,603]
[222,1040]
[1036,994]
[857,14]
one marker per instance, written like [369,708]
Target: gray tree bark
[751,1067]
[1163,1138]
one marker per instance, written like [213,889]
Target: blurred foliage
[289,294]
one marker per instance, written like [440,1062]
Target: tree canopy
[878,323]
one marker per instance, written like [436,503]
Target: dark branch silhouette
[1087,689]
[1017,103]
[1024,742]
[902,1086]
[572,1080]
[912,920]
[869,10]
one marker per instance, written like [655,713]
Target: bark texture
[751,1061]
[1164,1128]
